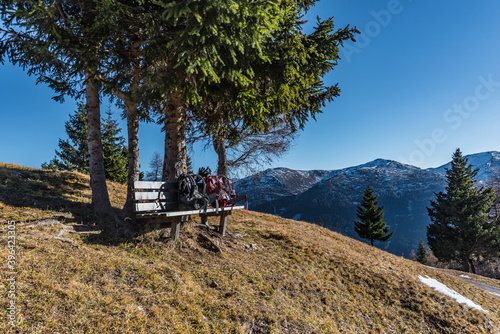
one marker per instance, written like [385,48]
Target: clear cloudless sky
[422,79]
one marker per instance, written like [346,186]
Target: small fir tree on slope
[462,229]
[422,254]
[371,225]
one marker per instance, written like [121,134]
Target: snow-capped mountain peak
[331,197]
[488,164]
[384,163]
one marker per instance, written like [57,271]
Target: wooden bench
[159,200]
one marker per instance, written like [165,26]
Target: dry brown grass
[269,275]
[28,194]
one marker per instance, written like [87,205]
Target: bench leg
[174,232]
[223,223]
[204,220]
[176,226]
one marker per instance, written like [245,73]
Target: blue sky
[422,80]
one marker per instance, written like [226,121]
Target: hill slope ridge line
[269,275]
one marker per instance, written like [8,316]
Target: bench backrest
[155,196]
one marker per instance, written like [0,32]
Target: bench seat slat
[190,212]
[149,195]
[156,206]
[155,185]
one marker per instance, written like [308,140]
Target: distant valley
[330,198]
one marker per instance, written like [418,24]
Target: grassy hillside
[269,275]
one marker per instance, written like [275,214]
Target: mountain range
[330,198]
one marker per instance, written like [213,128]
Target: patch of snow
[465,276]
[440,287]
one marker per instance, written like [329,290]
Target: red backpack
[220,193]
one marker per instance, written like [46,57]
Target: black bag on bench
[189,195]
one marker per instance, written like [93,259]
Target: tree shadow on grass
[30,195]
[42,193]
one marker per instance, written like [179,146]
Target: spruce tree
[422,255]
[371,225]
[189,165]
[163,55]
[73,153]
[114,150]
[461,228]
[65,44]
[291,82]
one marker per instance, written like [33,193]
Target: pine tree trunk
[132,131]
[220,148]
[465,265]
[100,200]
[472,267]
[174,162]
[133,157]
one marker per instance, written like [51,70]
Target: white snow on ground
[440,287]
[465,276]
